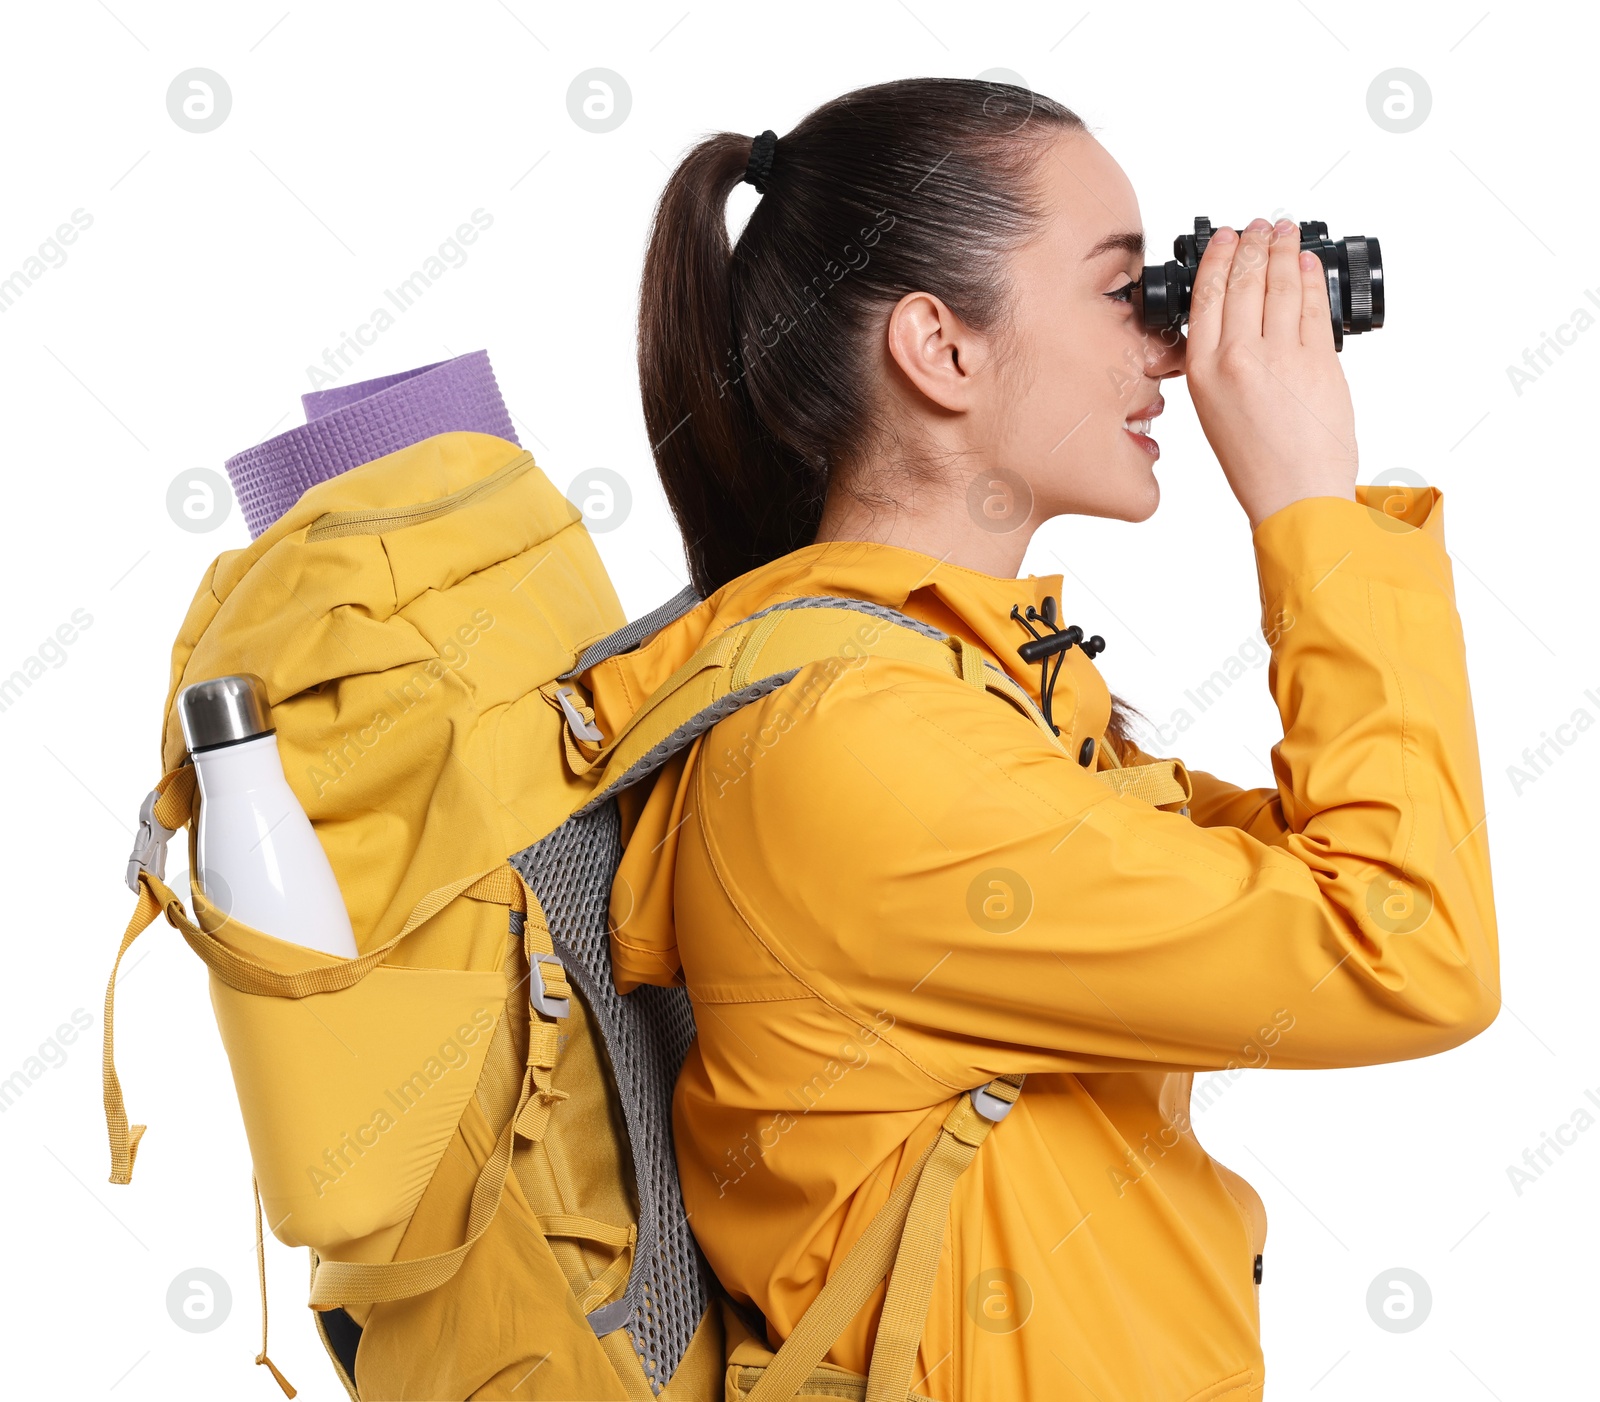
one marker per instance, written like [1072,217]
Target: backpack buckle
[150,845]
[989,1105]
[583,729]
[537,996]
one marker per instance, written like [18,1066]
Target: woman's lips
[1137,426]
[1144,440]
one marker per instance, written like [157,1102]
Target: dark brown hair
[756,359]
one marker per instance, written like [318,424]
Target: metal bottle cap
[224,711]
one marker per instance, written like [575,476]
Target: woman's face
[1087,367]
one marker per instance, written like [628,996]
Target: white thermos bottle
[258,855]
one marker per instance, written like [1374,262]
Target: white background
[219,266]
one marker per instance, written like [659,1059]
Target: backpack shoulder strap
[769,649]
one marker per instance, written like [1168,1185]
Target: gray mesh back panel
[646,1036]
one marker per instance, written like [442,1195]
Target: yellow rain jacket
[884,886]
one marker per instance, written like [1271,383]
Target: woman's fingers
[1264,380]
[1285,287]
[1247,285]
[1210,291]
[1316,318]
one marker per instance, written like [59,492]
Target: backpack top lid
[354,424]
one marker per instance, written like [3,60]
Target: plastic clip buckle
[150,846]
[584,730]
[537,997]
[991,1107]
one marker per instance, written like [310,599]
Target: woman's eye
[1123,293]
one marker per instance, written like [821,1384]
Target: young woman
[884,886]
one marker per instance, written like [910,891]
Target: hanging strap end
[122,1162]
[283,1382]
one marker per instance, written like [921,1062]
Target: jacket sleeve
[917,849]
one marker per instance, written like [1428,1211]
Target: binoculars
[1354,268]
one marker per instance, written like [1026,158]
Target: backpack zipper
[333,525]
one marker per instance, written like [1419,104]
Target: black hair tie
[761,153]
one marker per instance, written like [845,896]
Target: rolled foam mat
[354,424]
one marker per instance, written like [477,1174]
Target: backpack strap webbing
[635,634]
[906,1235]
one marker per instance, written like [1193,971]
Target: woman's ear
[936,351]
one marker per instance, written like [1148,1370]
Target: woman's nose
[1165,352]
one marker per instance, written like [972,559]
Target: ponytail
[739,499]
[756,361]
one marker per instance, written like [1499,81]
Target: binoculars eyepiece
[1354,268]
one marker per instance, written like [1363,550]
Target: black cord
[1042,647]
[1049,691]
[1047,679]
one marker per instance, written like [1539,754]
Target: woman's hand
[1263,373]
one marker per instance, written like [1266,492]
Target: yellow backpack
[466,1125]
